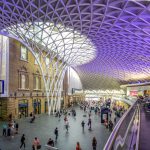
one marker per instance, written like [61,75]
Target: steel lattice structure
[119,30]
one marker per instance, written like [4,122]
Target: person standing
[4,129]
[82,124]
[78,146]
[95,110]
[115,120]
[90,123]
[94,143]
[8,131]
[22,141]
[16,126]
[56,134]
[84,108]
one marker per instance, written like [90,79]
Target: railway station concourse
[74,74]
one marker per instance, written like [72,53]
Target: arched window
[23,79]
[24,53]
[37,80]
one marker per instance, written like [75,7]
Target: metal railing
[125,135]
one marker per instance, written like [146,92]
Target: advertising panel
[1,86]
[133,93]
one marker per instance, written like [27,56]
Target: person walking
[65,119]
[94,143]
[22,141]
[75,113]
[56,134]
[67,126]
[59,115]
[90,123]
[90,114]
[82,124]
[110,125]
[78,146]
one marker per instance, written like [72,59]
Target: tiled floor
[44,126]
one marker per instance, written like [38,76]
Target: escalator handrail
[139,126]
[113,135]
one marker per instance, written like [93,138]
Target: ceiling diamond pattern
[119,29]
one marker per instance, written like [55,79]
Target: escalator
[125,135]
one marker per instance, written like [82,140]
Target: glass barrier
[125,133]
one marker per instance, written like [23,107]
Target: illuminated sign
[133,93]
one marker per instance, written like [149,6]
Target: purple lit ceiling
[119,29]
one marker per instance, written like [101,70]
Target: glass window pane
[24,53]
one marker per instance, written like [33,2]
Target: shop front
[23,108]
[37,106]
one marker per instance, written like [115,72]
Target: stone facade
[21,102]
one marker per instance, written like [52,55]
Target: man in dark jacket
[22,141]
[56,134]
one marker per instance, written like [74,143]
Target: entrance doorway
[37,106]
[23,108]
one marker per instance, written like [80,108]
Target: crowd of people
[12,127]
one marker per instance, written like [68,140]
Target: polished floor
[44,126]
